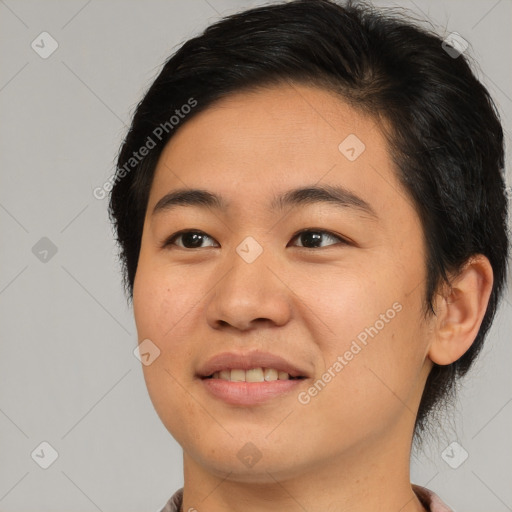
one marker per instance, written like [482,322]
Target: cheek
[163,298]
[166,303]
[377,331]
[376,383]
[163,302]
[339,302]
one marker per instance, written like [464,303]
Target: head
[267,101]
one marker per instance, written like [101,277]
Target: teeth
[224,375]
[270,374]
[252,375]
[237,376]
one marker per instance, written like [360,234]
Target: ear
[460,309]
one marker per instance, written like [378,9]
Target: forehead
[255,145]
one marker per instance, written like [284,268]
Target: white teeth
[237,376]
[270,374]
[252,375]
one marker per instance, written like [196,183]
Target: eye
[309,239]
[189,239]
[313,237]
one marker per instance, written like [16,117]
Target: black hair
[445,134]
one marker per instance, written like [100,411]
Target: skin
[348,449]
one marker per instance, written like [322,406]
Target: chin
[247,461]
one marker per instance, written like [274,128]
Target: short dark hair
[445,134]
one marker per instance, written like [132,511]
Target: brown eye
[189,239]
[309,239]
[312,239]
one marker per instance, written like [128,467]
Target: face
[328,288]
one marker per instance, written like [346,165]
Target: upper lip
[248,360]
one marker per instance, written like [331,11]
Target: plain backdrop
[68,374]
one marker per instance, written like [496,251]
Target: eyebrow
[332,194]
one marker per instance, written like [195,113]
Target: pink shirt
[429,500]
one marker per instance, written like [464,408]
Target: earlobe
[460,309]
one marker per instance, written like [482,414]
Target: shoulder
[430,500]
[175,502]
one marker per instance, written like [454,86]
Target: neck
[370,477]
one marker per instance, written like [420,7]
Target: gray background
[68,373]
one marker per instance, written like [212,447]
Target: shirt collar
[429,500]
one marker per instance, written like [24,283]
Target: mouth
[250,378]
[252,375]
[247,393]
[250,366]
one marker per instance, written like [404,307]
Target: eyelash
[170,240]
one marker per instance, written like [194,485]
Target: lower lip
[249,393]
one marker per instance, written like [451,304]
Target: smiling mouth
[251,387]
[252,375]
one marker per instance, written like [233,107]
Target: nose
[250,295]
